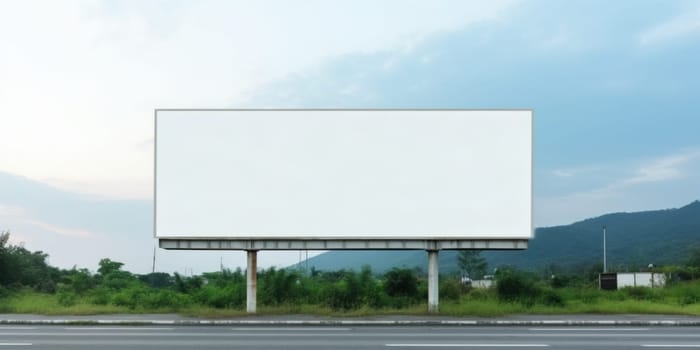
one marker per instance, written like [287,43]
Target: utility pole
[153,269]
[605,259]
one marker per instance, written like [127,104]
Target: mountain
[634,240]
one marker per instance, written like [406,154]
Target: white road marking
[589,329]
[118,328]
[276,329]
[15,344]
[671,345]
[487,345]
[12,327]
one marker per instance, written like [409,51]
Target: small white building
[631,279]
[485,283]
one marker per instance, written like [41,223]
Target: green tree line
[23,271]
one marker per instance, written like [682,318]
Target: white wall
[640,279]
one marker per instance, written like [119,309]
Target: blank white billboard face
[343,174]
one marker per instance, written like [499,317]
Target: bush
[131,297]
[66,297]
[562,281]
[4,292]
[551,298]
[401,283]
[278,287]
[230,296]
[513,286]
[640,293]
[450,289]
[480,294]
[101,296]
[588,295]
[347,293]
[162,298]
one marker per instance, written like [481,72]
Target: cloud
[79,81]
[563,173]
[684,25]
[10,211]
[574,171]
[61,231]
[667,181]
[15,215]
[663,169]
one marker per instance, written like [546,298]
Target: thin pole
[605,257]
[153,269]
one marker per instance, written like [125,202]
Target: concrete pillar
[433,280]
[251,281]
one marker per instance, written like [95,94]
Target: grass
[47,304]
[683,299]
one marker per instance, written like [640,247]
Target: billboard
[343,174]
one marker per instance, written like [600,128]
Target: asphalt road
[361,337]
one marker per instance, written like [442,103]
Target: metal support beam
[433,281]
[251,281]
[213,243]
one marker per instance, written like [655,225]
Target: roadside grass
[47,304]
[679,299]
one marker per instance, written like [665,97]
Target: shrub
[343,295]
[514,287]
[450,289]
[562,281]
[230,296]
[640,293]
[65,296]
[551,298]
[480,294]
[162,298]
[4,292]
[101,296]
[401,283]
[278,287]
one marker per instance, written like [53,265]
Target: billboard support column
[433,279]
[251,281]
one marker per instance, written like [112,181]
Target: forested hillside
[634,240]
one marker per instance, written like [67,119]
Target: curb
[686,323]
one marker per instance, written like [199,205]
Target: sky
[613,86]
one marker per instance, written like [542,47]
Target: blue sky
[614,87]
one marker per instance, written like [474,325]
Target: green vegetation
[29,285]
[472,263]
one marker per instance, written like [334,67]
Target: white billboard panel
[343,174]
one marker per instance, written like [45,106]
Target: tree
[20,267]
[111,275]
[694,259]
[401,283]
[472,263]
[108,266]
[4,237]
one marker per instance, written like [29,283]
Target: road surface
[361,337]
